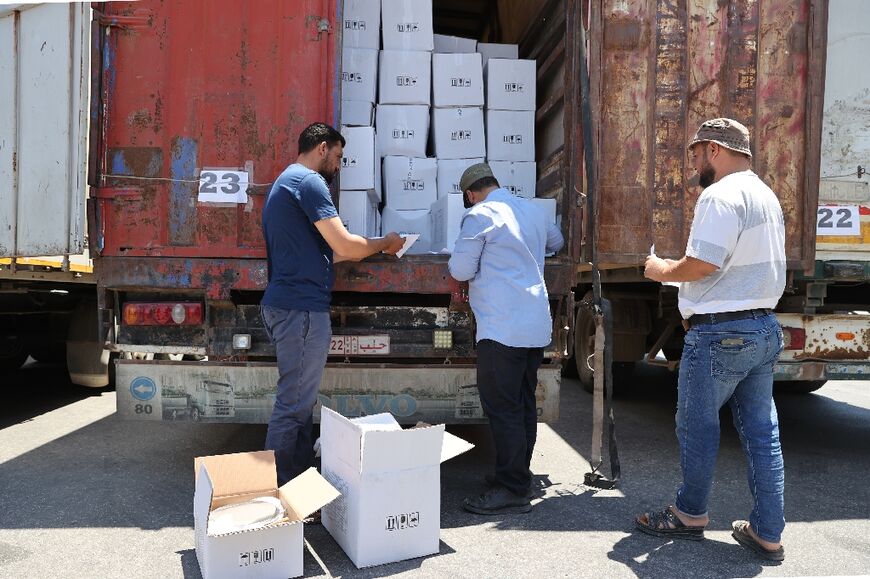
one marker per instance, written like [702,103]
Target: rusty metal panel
[188,85]
[43,119]
[829,337]
[661,67]
[245,392]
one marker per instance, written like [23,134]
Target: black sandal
[740,532]
[667,524]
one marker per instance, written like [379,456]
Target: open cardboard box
[390,484]
[272,551]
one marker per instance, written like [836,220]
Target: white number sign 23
[223,186]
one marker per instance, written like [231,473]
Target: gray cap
[474,173]
[726,132]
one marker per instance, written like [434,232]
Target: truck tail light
[162,314]
[794,338]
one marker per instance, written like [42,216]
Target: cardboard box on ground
[390,484]
[271,552]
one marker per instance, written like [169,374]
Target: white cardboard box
[457,80]
[410,182]
[510,135]
[449,173]
[358,160]
[406,222]
[357,113]
[518,177]
[447,215]
[454,44]
[390,507]
[359,74]
[548,205]
[407,25]
[458,133]
[269,552]
[491,50]
[359,212]
[510,85]
[402,130]
[361,24]
[406,77]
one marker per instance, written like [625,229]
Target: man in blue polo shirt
[304,238]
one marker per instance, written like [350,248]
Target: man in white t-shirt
[732,275]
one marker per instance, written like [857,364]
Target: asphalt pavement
[83,494]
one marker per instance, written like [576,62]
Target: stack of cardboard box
[479,99]
[360,193]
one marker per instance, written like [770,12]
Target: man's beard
[707,175]
[328,177]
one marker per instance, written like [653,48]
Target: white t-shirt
[738,227]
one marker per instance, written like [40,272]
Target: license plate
[360,345]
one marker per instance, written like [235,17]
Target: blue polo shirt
[299,259]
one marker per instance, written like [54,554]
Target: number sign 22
[838,220]
[223,186]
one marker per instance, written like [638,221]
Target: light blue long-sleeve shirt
[500,252]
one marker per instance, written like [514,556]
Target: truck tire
[798,386]
[13,353]
[86,359]
[51,354]
[584,341]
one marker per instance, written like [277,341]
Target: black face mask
[466,201]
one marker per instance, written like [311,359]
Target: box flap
[340,439]
[242,472]
[307,493]
[383,421]
[452,446]
[387,451]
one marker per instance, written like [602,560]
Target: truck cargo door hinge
[319,24]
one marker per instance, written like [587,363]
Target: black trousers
[506,380]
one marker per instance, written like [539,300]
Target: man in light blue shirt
[500,252]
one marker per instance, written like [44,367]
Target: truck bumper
[822,371]
[167,390]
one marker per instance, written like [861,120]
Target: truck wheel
[798,386]
[584,341]
[86,360]
[13,354]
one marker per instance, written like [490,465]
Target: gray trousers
[302,343]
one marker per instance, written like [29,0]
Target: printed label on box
[403,521]
[255,557]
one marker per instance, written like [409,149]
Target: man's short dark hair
[316,133]
[483,183]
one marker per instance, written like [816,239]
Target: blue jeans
[301,343]
[731,362]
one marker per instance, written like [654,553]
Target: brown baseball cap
[474,173]
[726,132]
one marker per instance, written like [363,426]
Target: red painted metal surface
[203,83]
